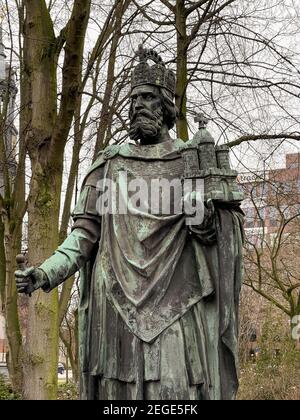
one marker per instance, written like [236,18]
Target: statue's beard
[146,125]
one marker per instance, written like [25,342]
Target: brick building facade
[272,198]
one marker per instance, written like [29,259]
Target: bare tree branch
[248,138]
[197,5]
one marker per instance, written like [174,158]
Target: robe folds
[158,314]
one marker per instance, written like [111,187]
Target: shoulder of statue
[95,172]
[109,152]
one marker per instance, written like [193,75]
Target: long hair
[169,108]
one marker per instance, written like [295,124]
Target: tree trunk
[12,228]
[12,211]
[2,267]
[41,358]
[46,138]
[13,332]
[42,331]
[182,76]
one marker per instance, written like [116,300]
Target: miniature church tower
[8,93]
[202,159]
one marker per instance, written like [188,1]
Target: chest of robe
[147,261]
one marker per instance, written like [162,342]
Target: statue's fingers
[21,285]
[22,289]
[22,280]
[20,274]
[24,273]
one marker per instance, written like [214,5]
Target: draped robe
[158,314]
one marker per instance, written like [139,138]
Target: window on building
[287,187]
[286,211]
[262,217]
[262,189]
[255,239]
[294,165]
[273,215]
[265,189]
[249,212]
[294,211]
[275,188]
[258,190]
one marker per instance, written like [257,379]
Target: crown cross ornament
[156,74]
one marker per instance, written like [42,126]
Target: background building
[271,258]
[272,198]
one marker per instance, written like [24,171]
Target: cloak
[150,273]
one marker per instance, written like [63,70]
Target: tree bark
[182,76]
[13,332]
[46,139]
[2,267]
[12,208]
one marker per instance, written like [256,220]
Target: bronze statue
[158,313]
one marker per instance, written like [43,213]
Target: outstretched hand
[29,280]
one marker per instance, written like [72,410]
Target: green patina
[158,312]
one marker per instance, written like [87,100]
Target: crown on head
[157,74]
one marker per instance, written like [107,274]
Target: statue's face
[147,114]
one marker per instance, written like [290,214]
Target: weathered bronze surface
[158,313]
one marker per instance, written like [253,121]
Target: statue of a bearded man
[158,312]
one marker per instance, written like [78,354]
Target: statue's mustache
[143,113]
[146,123]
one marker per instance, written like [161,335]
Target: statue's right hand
[29,280]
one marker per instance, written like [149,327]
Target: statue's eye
[148,96]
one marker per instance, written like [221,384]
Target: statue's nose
[139,103]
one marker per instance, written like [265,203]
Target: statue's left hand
[209,215]
[206,231]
